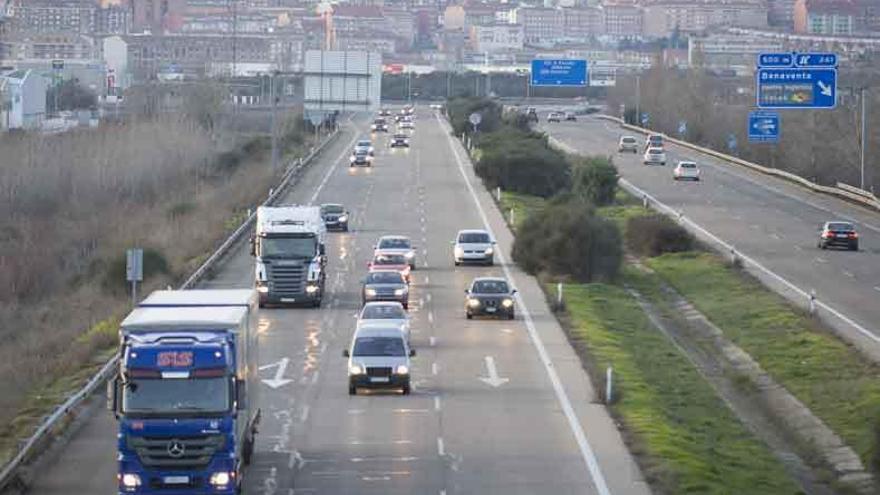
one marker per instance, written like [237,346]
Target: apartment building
[582,23]
[837,17]
[541,25]
[496,38]
[622,19]
[662,18]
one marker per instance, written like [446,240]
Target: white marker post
[813,301]
[609,388]
[512,218]
[559,296]
[498,194]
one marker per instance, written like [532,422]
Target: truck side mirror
[113,396]
[345,353]
[412,353]
[322,249]
[240,394]
[253,246]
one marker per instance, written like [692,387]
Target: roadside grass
[687,438]
[833,379]
[521,204]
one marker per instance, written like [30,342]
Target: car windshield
[389,259]
[364,144]
[385,278]
[629,140]
[394,243]
[379,121]
[400,137]
[687,165]
[474,238]
[655,151]
[383,312]
[332,209]
[288,247]
[840,227]
[379,346]
[655,139]
[175,396]
[490,287]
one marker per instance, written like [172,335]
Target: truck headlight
[355,369]
[399,292]
[410,255]
[220,478]
[507,303]
[351,159]
[311,289]
[489,250]
[402,370]
[473,303]
[370,292]
[263,289]
[130,480]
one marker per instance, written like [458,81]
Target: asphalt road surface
[768,219]
[536,430]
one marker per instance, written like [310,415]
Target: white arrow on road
[824,88]
[280,367]
[493,379]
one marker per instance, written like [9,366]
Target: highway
[534,429]
[770,220]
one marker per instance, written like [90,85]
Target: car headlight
[355,369]
[402,370]
[343,218]
[507,303]
[399,292]
[473,303]
[458,251]
[220,478]
[311,289]
[130,480]
[370,292]
[489,250]
[263,289]
[351,159]
[410,255]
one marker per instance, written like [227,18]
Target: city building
[48,46]
[780,13]
[53,16]
[493,38]
[663,18]
[726,51]
[112,19]
[837,17]
[623,20]
[157,16]
[541,26]
[582,23]
[24,99]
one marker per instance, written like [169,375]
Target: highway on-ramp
[537,429]
[770,220]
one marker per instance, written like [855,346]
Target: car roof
[332,204]
[383,303]
[384,270]
[379,330]
[394,236]
[687,162]
[473,231]
[489,279]
[841,222]
[655,148]
[362,141]
[628,137]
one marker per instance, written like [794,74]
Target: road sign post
[134,270]
[475,119]
[764,127]
[645,118]
[559,72]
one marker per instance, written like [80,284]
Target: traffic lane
[762,223]
[513,437]
[92,447]
[371,443]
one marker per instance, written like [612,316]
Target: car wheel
[406,389]
[822,245]
[456,262]
[511,315]
[412,267]
[490,262]
[316,303]
[406,305]
[468,315]
[854,247]
[352,390]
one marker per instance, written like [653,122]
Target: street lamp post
[864,140]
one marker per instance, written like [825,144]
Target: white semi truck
[288,247]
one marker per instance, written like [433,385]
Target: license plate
[379,379]
[490,310]
[175,480]
[288,299]
[842,236]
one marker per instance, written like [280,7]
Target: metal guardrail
[844,191]
[10,472]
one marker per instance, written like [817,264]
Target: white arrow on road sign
[824,88]
[280,367]
[765,126]
[493,379]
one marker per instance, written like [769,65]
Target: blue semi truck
[186,393]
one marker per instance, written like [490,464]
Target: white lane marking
[798,248]
[431,316]
[384,459]
[441,449]
[877,288]
[433,340]
[332,169]
[315,377]
[493,379]
[304,416]
[395,442]
[821,260]
[586,449]
[428,296]
[436,403]
[849,274]
[425,264]
[427,280]
[278,379]
[433,368]
[421,302]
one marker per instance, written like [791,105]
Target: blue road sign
[815,60]
[682,127]
[645,118]
[775,60]
[731,142]
[559,72]
[764,127]
[797,88]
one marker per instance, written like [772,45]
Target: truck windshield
[158,397]
[288,247]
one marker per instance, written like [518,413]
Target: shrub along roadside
[521,161]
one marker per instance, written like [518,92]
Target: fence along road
[456,433]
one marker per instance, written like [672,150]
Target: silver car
[473,246]
[385,285]
[384,313]
[379,357]
[397,244]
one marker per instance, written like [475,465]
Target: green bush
[521,161]
[653,235]
[114,274]
[594,179]
[460,110]
[567,239]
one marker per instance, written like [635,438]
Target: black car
[841,234]
[489,296]
[385,285]
[335,217]
[399,141]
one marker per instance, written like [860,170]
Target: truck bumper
[305,298]
[173,482]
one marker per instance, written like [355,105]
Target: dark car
[532,114]
[385,285]
[841,234]
[570,116]
[335,217]
[489,296]
[400,141]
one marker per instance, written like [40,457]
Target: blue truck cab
[186,393]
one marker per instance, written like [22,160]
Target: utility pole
[864,140]
[638,99]
[274,96]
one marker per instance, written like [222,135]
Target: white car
[379,357]
[406,124]
[628,143]
[364,145]
[436,106]
[384,313]
[654,156]
[397,244]
[473,246]
[686,170]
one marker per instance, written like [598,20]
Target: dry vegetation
[73,203]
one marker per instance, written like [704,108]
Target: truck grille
[378,371]
[178,453]
[287,280]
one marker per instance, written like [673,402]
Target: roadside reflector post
[680,215]
[559,296]
[609,385]
[645,201]
[512,218]
[271,192]
[498,194]
[813,301]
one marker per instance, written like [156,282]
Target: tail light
[827,234]
[853,235]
